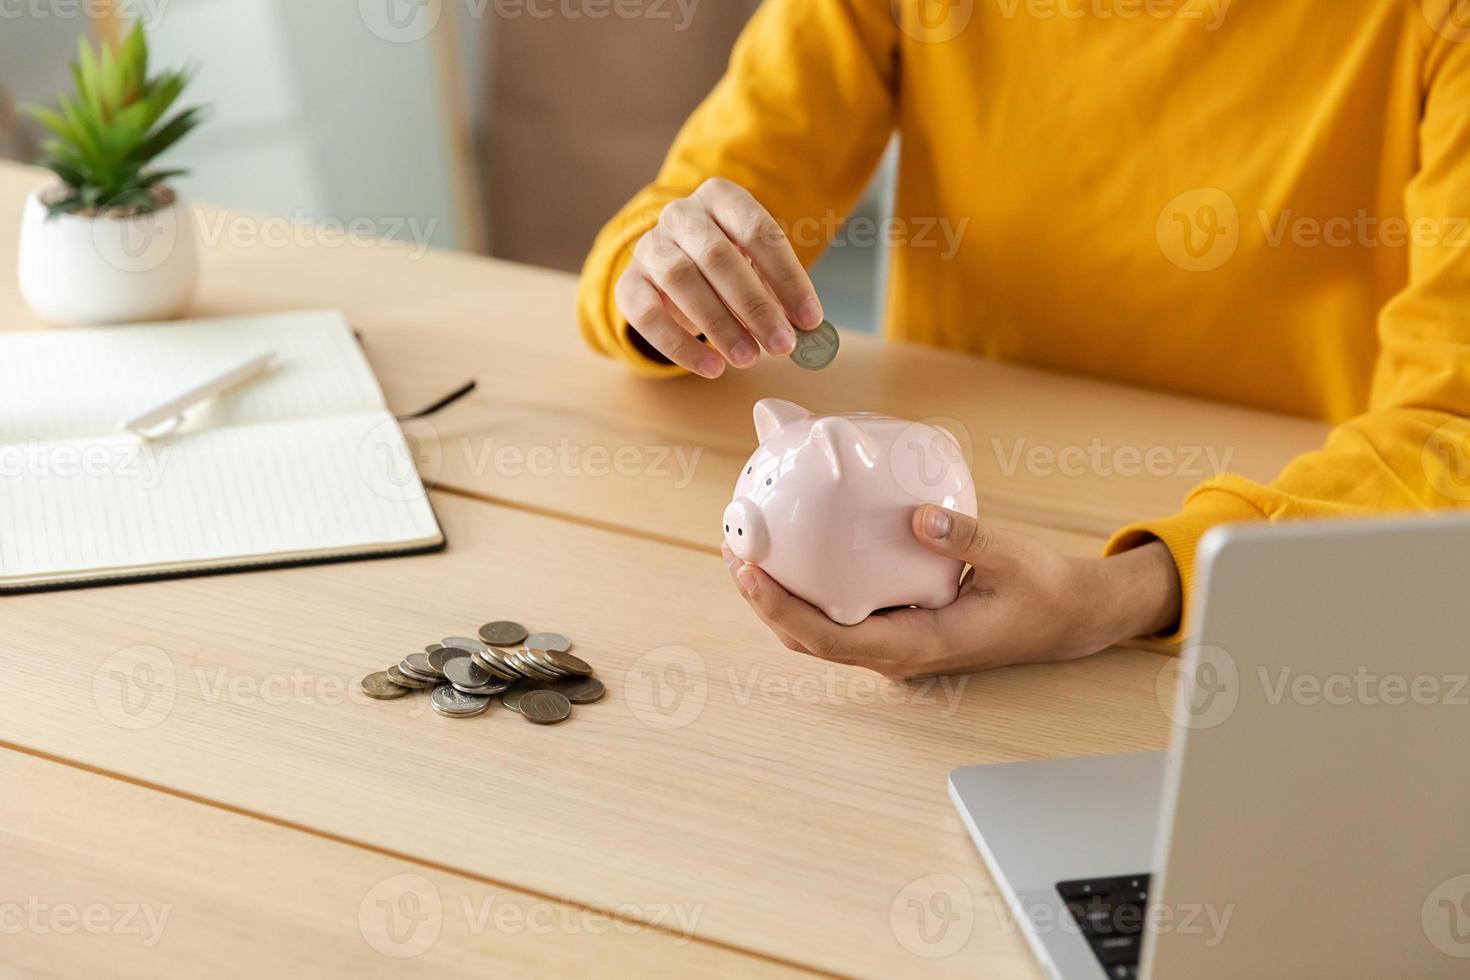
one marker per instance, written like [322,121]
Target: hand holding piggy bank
[824,507]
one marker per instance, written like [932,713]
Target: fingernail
[809,314]
[783,343]
[937,523]
[710,366]
[747,580]
[743,353]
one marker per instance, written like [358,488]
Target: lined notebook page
[266,492]
[80,383]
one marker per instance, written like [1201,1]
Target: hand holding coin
[717,265]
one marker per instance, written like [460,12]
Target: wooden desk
[730,807]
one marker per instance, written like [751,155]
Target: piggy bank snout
[745,530]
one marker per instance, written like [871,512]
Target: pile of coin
[534,674]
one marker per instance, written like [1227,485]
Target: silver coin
[429,650]
[420,664]
[581,690]
[512,660]
[464,672]
[493,662]
[542,659]
[529,668]
[566,663]
[502,633]
[456,704]
[446,698]
[415,675]
[403,680]
[443,655]
[815,349]
[549,641]
[461,714]
[496,686]
[512,698]
[464,643]
[545,707]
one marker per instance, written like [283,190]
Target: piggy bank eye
[749,470]
[768,481]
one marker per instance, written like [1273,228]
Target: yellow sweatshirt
[1261,201]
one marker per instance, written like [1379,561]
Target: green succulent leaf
[168,134]
[109,84]
[165,91]
[66,171]
[54,122]
[87,134]
[86,70]
[133,197]
[156,177]
[105,136]
[135,48]
[63,205]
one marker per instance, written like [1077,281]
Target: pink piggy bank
[825,507]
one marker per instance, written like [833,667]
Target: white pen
[151,424]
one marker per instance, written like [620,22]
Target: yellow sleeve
[1410,451]
[800,120]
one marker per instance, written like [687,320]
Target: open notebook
[302,465]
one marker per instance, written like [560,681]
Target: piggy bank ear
[772,415]
[847,449]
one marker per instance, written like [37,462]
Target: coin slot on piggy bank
[824,507]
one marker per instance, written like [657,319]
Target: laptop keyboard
[1110,913]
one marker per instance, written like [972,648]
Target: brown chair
[15,142]
[582,111]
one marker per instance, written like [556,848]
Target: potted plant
[112,242]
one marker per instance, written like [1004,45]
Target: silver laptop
[1311,817]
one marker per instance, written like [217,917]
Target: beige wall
[316,111]
[33,67]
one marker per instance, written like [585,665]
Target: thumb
[955,535]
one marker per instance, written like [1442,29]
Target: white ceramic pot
[76,270]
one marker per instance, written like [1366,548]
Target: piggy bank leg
[847,615]
[943,596]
